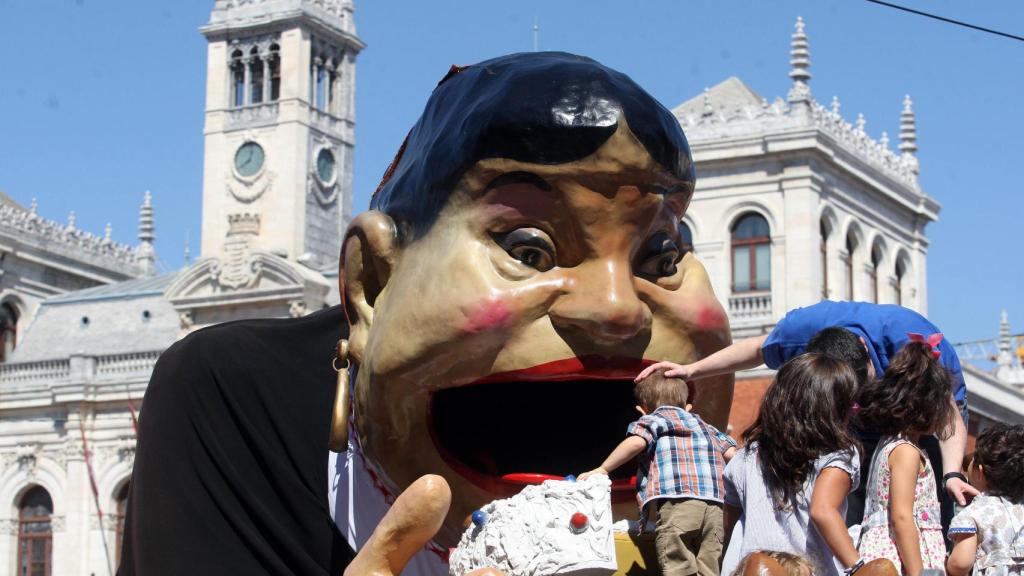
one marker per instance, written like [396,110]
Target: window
[275,72]
[35,533]
[8,331]
[686,236]
[851,249]
[751,254]
[255,77]
[876,260]
[237,79]
[824,231]
[331,81]
[901,271]
[122,507]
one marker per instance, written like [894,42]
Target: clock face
[325,165]
[249,159]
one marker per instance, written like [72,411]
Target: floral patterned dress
[999,524]
[877,537]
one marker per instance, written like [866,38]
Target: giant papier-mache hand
[412,521]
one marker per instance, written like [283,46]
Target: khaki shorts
[688,537]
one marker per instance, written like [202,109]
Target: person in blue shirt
[882,329]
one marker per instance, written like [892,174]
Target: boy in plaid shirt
[680,465]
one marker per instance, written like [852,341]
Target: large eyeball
[659,257]
[530,246]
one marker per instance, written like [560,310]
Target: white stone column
[247,78]
[265,58]
[801,283]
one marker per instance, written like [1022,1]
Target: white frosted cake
[555,528]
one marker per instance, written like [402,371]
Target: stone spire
[908,134]
[800,60]
[835,105]
[71,221]
[1008,366]
[108,233]
[1004,358]
[145,253]
[188,249]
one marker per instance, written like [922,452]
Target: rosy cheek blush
[710,318]
[489,314]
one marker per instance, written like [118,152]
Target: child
[901,515]
[786,489]
[774,563]
[680,465]
[989,534]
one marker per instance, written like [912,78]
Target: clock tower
[279,131]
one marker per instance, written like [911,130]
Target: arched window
[851,249]
[237,79]
[876,260]
[751,254]
[35,533]
[901,271]
[121,501]
[8,331]
[255,77]
[275,72]
[331,83]
[686,236]
[824,232]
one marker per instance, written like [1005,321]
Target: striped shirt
[683,459]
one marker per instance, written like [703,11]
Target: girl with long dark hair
[786,489]
[902,519]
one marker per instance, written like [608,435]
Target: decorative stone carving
[27,454]
[297,308]
[238,269]
[253,115]
[9,527]
[186,319]
[84,245]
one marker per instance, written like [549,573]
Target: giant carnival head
[520,263]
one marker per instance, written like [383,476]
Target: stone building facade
[91,317]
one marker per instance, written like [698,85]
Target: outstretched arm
[738,356]
[952,450]
[624,452]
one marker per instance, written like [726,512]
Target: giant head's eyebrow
[518,177]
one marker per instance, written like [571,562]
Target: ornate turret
[145,253]
[800,60]
[1008,366]
[908,133]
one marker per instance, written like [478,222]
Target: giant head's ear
[367,257]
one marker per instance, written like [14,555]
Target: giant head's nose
[602,303]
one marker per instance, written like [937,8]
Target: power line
[948,20]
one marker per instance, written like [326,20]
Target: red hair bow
[932,340]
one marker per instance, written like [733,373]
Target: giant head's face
[521,265]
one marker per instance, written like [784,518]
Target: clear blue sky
[101,100]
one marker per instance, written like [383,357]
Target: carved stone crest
[238,268]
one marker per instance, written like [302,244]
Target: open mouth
[546,422]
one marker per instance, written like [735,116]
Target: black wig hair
[537,107]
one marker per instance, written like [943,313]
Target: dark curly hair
[1000,450]
[912,397]
[803,416]
[841,344]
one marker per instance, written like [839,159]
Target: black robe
[231,465]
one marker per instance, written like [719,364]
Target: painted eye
[530,246]
[662,257]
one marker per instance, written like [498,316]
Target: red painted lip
[577,368]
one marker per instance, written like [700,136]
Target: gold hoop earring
[338,441]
